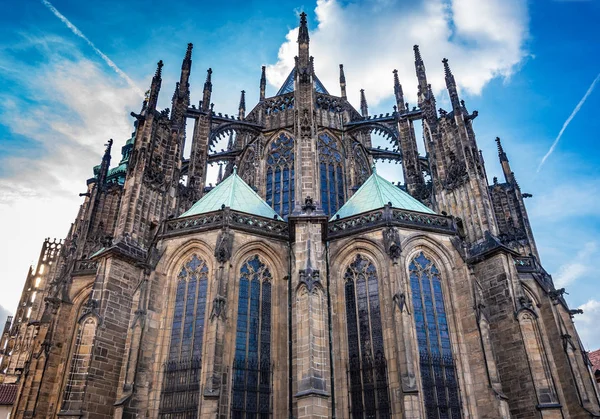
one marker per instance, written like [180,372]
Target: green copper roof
[234,193]
[375,193]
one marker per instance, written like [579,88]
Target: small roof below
[288,84]
[375,193]
[234,193]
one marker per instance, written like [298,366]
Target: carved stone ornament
[310,278]
[400,301]
[154,175]
[309,205]
[456,174]
[224,246]
[218,308]
[391,242]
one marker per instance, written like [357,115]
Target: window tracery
[252,359]
[367,364]
[331,167]
[80,363]
[280,175]
[438,372]
[181,380]
[361,165]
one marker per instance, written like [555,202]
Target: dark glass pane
[367,367]
[437,366]
[252,364]
[280,175]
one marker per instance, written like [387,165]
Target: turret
[364,109]
[451,86]
[181,96]
[508,174]
[155,88]
[303,42]
[425,98]
[207,91]
[398,93]
[342,81]
[242,107]
[263,84]
[104,166]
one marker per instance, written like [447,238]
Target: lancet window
[331,167]
[361,165]
[367,369]
[181,380]
[252,359]
[80,363]
[280,175]
[438,373]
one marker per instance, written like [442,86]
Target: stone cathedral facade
[302,285]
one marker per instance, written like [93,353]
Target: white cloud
[69,107]
[587,325]
[482,40]
[555,201]
[577,267]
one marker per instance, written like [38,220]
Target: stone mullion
[407,370]
[214,387]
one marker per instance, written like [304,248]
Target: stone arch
[444,261]
[279,172]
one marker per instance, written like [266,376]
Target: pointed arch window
[367,369]
[361,165]
[331,168]
[252,359]
[80,363]
[181,381]
[438,373]
[280,175]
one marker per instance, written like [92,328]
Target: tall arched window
[367,367]
[438,373]
[280,175]
[252,361]
[361,165]
[181,381]
[331,166]
[80,363]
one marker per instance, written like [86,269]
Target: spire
[342,81]
[364,109]
[104,166]
[303,30]
[508,174]
[155,87]
[242,107]
[230,142]
[187,60]
[220,175]
[207,90]
[421,76]
[303,40]
[451,86]
[398,92]
[263,84]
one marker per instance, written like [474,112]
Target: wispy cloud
[587,324]
[568,121]
[80,34]
[579,266]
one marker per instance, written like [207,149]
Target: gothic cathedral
[303,284]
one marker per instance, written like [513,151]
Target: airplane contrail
[568,121]
[80,34]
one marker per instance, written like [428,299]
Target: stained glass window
[331,166]
[181,381]
[252,359]
[367,367]
[438,373]
[280,175]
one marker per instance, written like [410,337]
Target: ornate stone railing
[227,218]
[390,216]
[529,264]
[85,267]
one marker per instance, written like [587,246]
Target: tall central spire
[303,42]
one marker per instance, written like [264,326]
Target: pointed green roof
[234,193]
[375,193]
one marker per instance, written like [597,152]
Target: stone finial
[303,30]
[263,83]
[398,92]
[364,109]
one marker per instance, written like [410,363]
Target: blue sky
[523,65]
